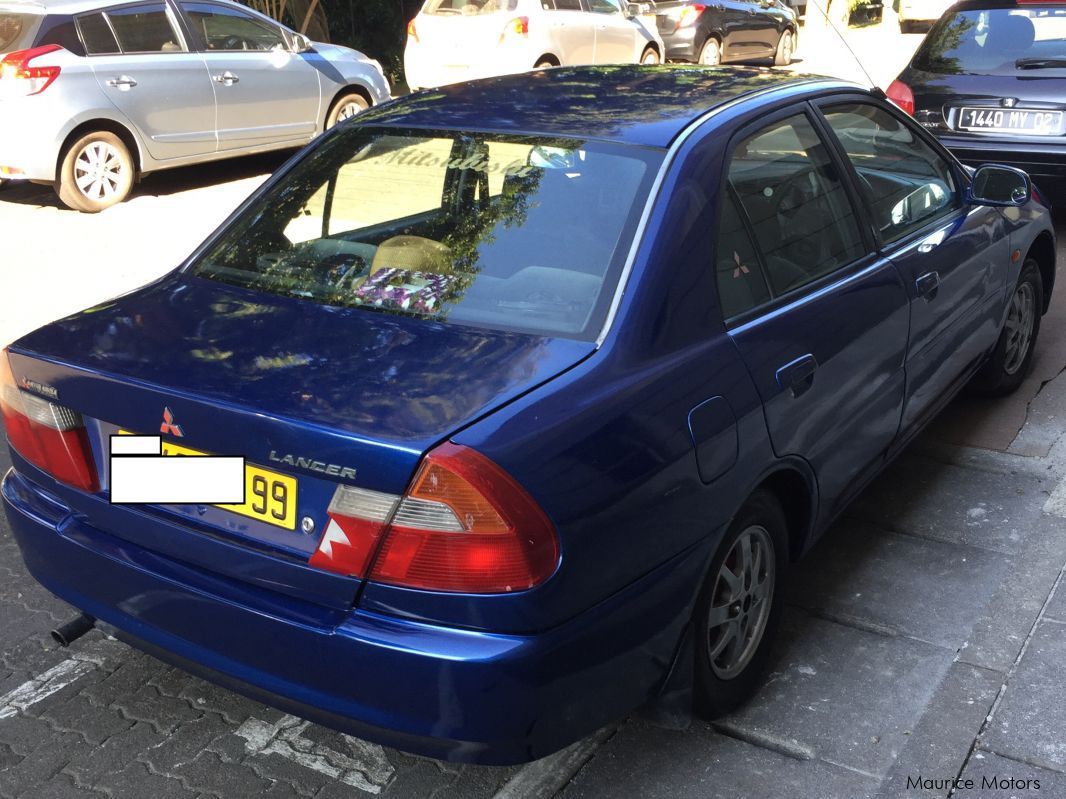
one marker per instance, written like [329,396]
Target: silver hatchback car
[94,94]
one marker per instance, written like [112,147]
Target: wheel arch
[654,46]
[551,58]
[1042,250]
[127,136]
[793,486]
[344,91]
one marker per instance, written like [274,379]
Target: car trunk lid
[318,396]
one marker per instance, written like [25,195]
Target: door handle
[124,82]
[928,285]
[227,79]
[798,375]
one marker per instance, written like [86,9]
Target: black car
[990,81]
[727,30]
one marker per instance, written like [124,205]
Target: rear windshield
[17,30]
[997,41]
[469,7]
[511,232]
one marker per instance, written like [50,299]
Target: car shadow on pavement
[164,183]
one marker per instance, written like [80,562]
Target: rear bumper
[449,693]
[28,148]
[1045,163]
[683,44]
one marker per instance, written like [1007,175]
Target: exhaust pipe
[73,629]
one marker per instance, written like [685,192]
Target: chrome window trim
[667,164]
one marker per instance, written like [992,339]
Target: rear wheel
[905,26]
[544,63]
[785,46]
[97,172]
[650,56]
[739,607]
[345,107]
[711,53]
[1010,361]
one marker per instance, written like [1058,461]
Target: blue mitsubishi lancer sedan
[540,382]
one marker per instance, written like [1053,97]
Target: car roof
[631,104]
[66,6]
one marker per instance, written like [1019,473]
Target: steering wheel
[235,42]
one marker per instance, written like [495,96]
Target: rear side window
[906,183]
[741,282]
[57,29]
[17,30]
[469,7]
[1029,39]
[96,35]
[568,5]
[797,206]
[144,29]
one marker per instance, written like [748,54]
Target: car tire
[1011,359]
[649,57]
[345,107]
[785,45]
[905,26]
[737,616]
[97,172]
[545,64]
[711,53]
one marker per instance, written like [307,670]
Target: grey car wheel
[97,172]
[785,47]
[1010,360]
[738,609]
[346,107]
[711,54]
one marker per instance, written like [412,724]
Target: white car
[456,40]
[914,13]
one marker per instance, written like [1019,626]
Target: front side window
[144,29]
[797,206]
[511,232]
[228,29]
[906,183]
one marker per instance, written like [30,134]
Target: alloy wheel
[786,48]
[711,55]
[99,171]
[740,602]
[1021,318]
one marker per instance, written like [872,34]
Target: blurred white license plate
[1011,120]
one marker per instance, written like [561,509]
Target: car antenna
[877,89]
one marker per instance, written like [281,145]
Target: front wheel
[650,56]
[346,107]
[739,607]
[785,47]
[1012,357]
[97,172]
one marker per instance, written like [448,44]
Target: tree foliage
[377,27]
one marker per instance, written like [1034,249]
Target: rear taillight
[689,15]
[900,93]
[517,27]
[463,525]
[19,77]
[49,436]
[412,31]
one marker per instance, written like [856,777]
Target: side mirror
[301,44]
[999,185]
